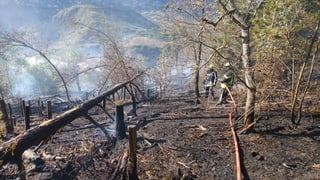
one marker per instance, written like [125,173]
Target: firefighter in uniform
[210,81]
[226,82]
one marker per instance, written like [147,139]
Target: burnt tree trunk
[11,151]
[49,110]
[27,117]
[120,126]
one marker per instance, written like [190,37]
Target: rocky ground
[177,137]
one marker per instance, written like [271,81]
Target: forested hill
[135,19]
[131,12]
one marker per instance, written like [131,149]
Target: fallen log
[12,150]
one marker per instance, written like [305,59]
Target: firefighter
[210,81]
[226,82]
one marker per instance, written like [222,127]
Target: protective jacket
[211,78]
[227,79]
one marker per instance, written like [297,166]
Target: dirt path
[188,137]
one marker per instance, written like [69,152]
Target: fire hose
[235,139]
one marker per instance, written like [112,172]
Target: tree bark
[251,90]
[244,24]
[27,117]
[49,110]
[11,151]
[300,78]
[120,126]
[197,57]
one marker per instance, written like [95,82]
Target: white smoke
[22,84]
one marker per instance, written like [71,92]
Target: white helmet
[227,64]
[211,66]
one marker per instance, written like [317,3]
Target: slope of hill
[177,137]
[136,17]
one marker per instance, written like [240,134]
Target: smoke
[29,16]
[22,84]
[112,129]
[14,16]
[35,16]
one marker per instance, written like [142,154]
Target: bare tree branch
[12,40]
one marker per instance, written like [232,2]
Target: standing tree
[243,21]
[192,35]
[214,14]
[287,48]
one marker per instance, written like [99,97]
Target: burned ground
[176,136]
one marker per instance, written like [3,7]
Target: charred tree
[120,126]
[49,110]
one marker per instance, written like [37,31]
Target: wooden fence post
[49,110]
[132,165]
[39,104]
[134,102]
[124,93]
[23,107]
[4,116]
[19,105]
[27,117]
[119,94]
[120,126]
[12,121]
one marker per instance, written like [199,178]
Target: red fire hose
[236,144]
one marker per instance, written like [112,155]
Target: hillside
[176,137]
[135,20]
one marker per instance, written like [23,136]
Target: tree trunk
[197,76]
[300,78]
[120,126]
[251,90]
[197,57]
[244,23]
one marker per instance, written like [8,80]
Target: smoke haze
[36,17]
